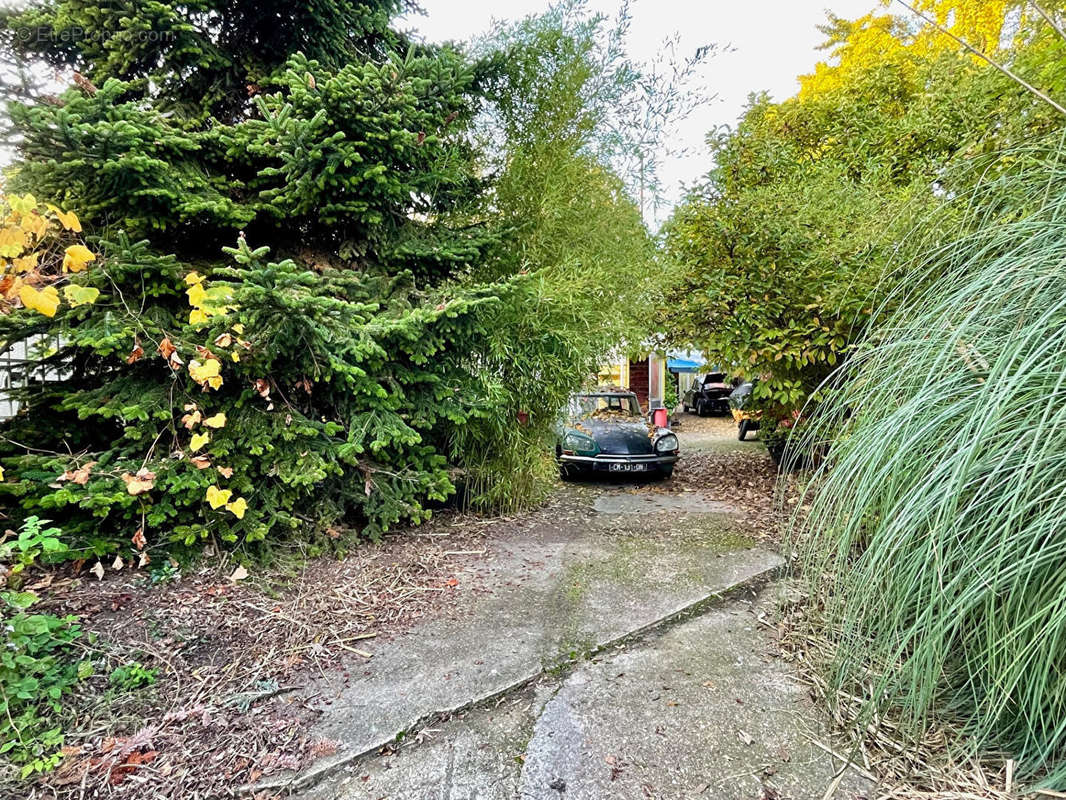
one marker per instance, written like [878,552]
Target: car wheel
[666,472]
[743,429]
[701,409]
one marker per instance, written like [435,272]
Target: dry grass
[222,712]
[904,766]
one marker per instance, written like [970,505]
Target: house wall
[638,381]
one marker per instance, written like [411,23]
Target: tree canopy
[791,242]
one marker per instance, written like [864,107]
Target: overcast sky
[773,41]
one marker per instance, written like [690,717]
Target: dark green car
[604,431]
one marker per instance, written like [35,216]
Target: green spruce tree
[211,394]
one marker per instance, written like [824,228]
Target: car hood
[618,437]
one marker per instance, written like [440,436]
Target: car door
[690,394]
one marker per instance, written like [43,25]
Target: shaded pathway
[619,651]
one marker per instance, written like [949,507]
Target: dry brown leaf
[136,354]
[80,475]
[118,563]
[191,420]
[200,462]
[138,539]
[139,483]
[98,571]
[239,574]
[225,472]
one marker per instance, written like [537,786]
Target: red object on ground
[523,417]
[660,417]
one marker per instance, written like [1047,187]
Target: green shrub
[32,542]
[417,295]
[38,666]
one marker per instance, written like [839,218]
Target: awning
[683,365]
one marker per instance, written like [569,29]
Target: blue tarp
[683,365]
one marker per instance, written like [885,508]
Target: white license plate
[627,467]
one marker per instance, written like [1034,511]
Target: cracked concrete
[615,653]
[703,709]
[545,600]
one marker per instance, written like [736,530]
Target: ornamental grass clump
[934,531]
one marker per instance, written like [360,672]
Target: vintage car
[708,394]
[604,431]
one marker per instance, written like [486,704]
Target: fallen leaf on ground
[238,574]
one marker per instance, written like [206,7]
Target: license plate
[627,467]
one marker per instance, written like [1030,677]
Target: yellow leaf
[194,277]
[203,372]
[238,507]
[76,257]
[196,294]
[214,382]
[238,328]
[35,224]
[1,473]
[218,497]
[23,204]
[235,356]
[12,241]
[197,316]
[217,421]
[199,440]
[68,219]
[27,263]
[80,295]
[45,301]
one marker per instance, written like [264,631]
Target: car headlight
[666,443]
[579,443]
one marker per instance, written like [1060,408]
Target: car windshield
[605,405]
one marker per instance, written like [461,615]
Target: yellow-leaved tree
[41,254]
